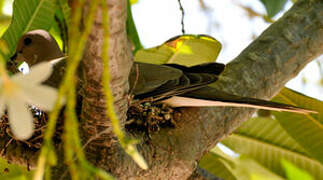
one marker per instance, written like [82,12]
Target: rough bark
[201,174]
[94,120]
[261,70]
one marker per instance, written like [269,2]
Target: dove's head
[36,46]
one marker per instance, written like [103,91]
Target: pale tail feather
[177,101]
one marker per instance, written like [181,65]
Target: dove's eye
[27,41]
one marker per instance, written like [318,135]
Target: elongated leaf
[11,170]
[215,165]
[264,140]
[29,15]
[273,6]
[65,10]
[307,130]
[59,27]
[131,29]
[228,167]
[294,173]
[1,6]
[269,130]
[133,1]
[186,50]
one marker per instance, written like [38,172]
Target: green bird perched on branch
[172,84]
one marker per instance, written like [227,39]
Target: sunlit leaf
[133,1]
[273,6]
[215,165]
[1,6]
[186,50]
[294,173]
[131,29]
[64,9]
[264,140]
[307,130]
[228,167]
[11,170]
[4,23]
[29,15]
[257,176]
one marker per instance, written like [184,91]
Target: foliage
[11,170]
[273,6]
[35,14]
[131,28]
[228,167]
[307,130]
[264,140]
[293,172]
[188,50]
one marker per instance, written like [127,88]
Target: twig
[183,13]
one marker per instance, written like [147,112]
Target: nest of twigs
[40,123]
[150,118]
[146,118]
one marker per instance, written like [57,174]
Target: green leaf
[215,165]
[9,171]
[264,140]
[59,27]
[273,6]
[4,18]
[228,167]
[132,30]
[307,129]
[29,15]
[294,173]
[133,2]
[185,50]
[65,10]
[1,6]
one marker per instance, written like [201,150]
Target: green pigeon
[172,84]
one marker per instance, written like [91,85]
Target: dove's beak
[12,64]
[13,57]
[17,58]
